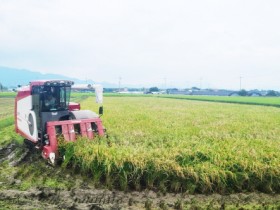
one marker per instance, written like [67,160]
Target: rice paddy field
[168,153]
[7,133]
[7,107]
[182,146]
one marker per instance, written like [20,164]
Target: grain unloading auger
[43,111]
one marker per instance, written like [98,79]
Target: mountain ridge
[12,77]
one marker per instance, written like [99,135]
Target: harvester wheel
[29,144]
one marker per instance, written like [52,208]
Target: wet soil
[104,199]
[86,196]
[13,154]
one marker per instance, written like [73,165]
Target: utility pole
[120,84]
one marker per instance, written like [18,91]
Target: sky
[180,43]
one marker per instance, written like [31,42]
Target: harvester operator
[49,101]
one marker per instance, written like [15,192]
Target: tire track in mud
[60,199]
[4,151]
[13,154]
[83,199]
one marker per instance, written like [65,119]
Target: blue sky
[209,43]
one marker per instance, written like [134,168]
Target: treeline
[247,93]
[111,90]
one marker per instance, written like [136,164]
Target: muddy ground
[21,166]
[104,199]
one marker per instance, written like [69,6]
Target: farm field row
[7,94]
[6,111]
[180,145]
[6,107]
[269,101]
[266,101]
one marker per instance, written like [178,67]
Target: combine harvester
[43,111]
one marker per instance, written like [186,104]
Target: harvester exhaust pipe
[98,93]
[99,97]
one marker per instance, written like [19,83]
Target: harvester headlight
[47,142]
[52,157]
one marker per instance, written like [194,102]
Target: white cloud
[145,41]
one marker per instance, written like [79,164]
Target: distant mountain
[11,77]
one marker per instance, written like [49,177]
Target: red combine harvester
[43,111]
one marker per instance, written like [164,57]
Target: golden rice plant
[182,146]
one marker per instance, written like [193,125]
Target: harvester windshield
[55,98]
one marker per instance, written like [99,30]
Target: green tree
[154,89]
[195,88]
[242,92]
[272,93]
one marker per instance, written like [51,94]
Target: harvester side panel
[25,118]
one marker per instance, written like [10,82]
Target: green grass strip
[6,122]
[7,94]
[222,99]
[258,101]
